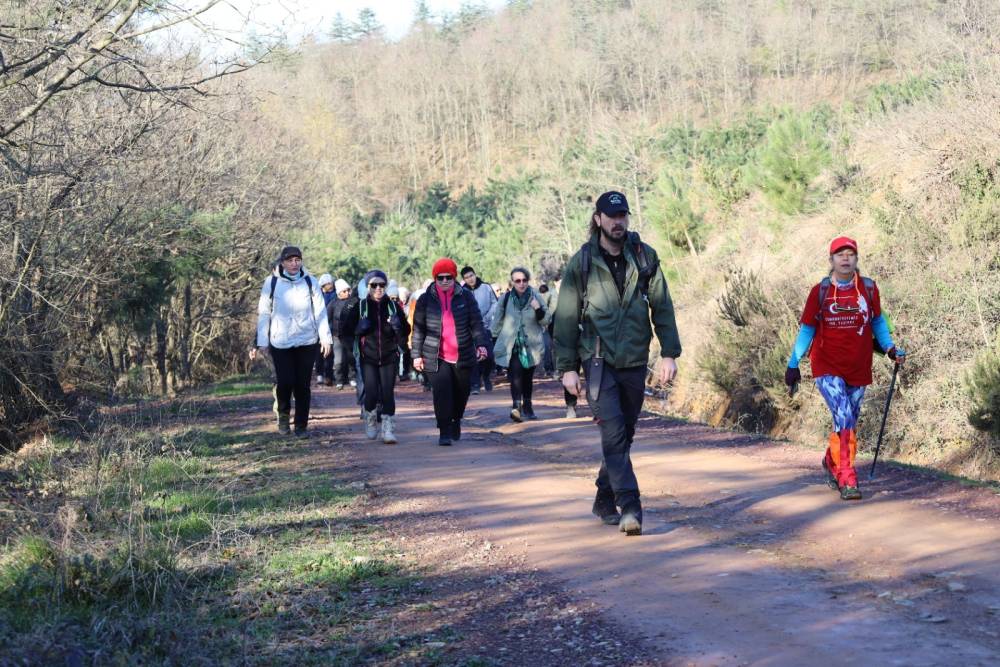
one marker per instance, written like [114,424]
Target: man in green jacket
[610,289]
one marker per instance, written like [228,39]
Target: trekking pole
[885,415]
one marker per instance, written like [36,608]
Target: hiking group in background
[456,331]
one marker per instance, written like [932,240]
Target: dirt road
[747,558]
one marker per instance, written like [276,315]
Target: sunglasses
[444,279]
[376,285]
[518,281]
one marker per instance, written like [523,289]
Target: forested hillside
[138,219]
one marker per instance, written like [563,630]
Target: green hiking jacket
[623,323]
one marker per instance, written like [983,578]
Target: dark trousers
[450,385]
[569,398]
[405,362]
[481,371]
[324,366]
[617,411]
[380,386]
[521,379]
[548,357]
[293,369]
[343,359]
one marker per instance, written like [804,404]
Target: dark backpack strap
[869,289]
[824,289]
[646,268]
[270,312]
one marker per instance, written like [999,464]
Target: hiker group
[599,320]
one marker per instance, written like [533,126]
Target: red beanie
[444,265]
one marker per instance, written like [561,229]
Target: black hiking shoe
[604,509]
[831,481]
[631,521]
[848,492]
[528,412]
[456,430]
[444,440]
[301,433]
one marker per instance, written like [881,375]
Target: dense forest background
[145,186]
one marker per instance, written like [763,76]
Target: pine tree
[341,30]
[367,26]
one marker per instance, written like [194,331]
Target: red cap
[444,265]
[842,242]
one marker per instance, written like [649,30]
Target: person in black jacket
[379,329]
[448,340]
[343,340]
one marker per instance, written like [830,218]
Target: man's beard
[611,239]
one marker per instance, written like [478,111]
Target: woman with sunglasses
[518,326]
[448,339]
[842,316]
[380,329]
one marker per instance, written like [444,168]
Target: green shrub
[795,152]
[670,209]
[748,352]
[982,385]
[886,97]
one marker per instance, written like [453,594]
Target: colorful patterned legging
[843,400]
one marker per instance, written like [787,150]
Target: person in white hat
[343,341]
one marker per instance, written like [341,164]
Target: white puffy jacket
[296,317]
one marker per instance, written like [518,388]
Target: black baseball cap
[612,202]
[289,251]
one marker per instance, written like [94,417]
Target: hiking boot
[604,509]
[528,412]
[283,424]
[444,439]
[631,521]
[456,430]
[831,480]
[371,425]
[848,492]
[570,412]
[487,383]
[301,433]
[515,413]
[340,385]
[388,429]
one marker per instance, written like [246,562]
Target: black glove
[895,354]
[792,376]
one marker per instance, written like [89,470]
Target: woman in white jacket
[292,324]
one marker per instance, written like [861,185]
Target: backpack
[824,289]
[646,271]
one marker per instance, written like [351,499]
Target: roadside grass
[239,385]
[194,545]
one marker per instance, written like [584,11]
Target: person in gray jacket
[292,325]
[518,325]
[486,299]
